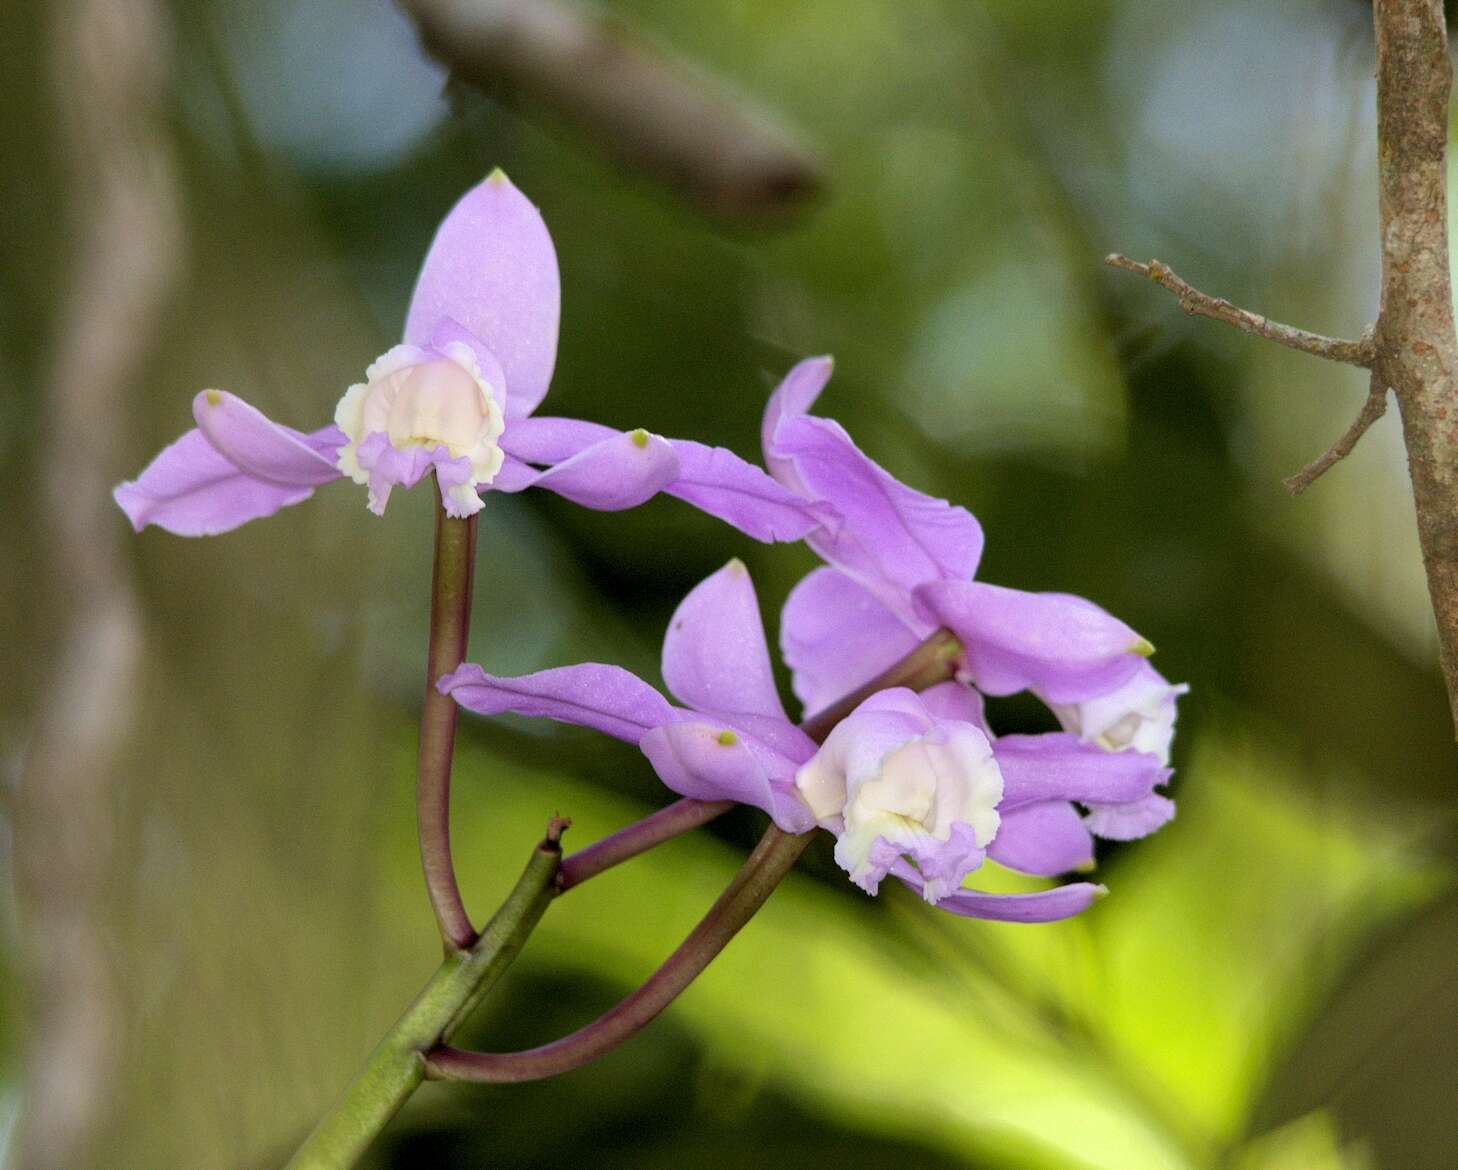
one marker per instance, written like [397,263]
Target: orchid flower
[900,564]
[911,785]
[456,397]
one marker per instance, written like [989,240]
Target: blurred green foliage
[1270,984]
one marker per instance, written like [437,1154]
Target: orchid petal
[794,396]
[1045,839]
[550,439]
[717,481]
[256,445]
[615,474]
[954,700]
[1129,822]
[707,761]
[890,537]
[606,698]
[190,489]
[1058,766]
[1044,906]
[835,636]
[1064,646]
[448,331]
[715,658]
[493,270]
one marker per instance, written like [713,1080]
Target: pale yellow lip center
[427,405]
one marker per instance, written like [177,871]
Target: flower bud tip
[735,565]
[1100,893]
[640,437]
[727,738]
[213,397]
[1087,867]
[1143,647]
[497,176]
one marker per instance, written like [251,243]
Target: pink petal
[493,270]
[1045,839]
[256,445]
[606,698]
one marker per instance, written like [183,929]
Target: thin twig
[1372,409]
[1198,304]
[653,830]
[650,110]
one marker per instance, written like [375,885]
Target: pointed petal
[890,537]
[615,474]
[717,481]
[1044,906]
[794,396]
[258,446]
[835,637]
[606,698]
[714,656]
[1045,839]
[189,489]
[1058,766]
[1129,822]
[708,761]
[1065,647]
[492,269]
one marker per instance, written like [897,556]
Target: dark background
[208,745]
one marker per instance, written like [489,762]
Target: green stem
[397,1066]
[450,623]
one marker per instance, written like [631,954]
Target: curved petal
[190,489]
[1058,766]
[615,474]
[448,331]
[493,270]
[1045,839]
[794,396]
[835,637]
[1065,647]
[714,655]
[606,698]
[1044,906]
[890,537]
[708,761]
[256,445]
[717,481]
[1129,822]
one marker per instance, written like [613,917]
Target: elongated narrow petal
[1129,822]
[258,446]
[1044,906]
[606,698]
[1058,766]
[890,537]
[615,474]
[717,481]
[552,439]
[708,761]
[1065,647]
[835,636]
[190,489]
[1044,839]
[715,658]
[493,270]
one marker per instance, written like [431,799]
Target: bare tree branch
[645,108]
[1412,346]
[1198,304]
[1372,409]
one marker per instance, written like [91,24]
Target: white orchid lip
[931,796]
[426,400]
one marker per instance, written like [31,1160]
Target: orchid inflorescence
[891,644]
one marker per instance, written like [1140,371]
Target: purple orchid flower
[454,398]
[911,785]
[900,564]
